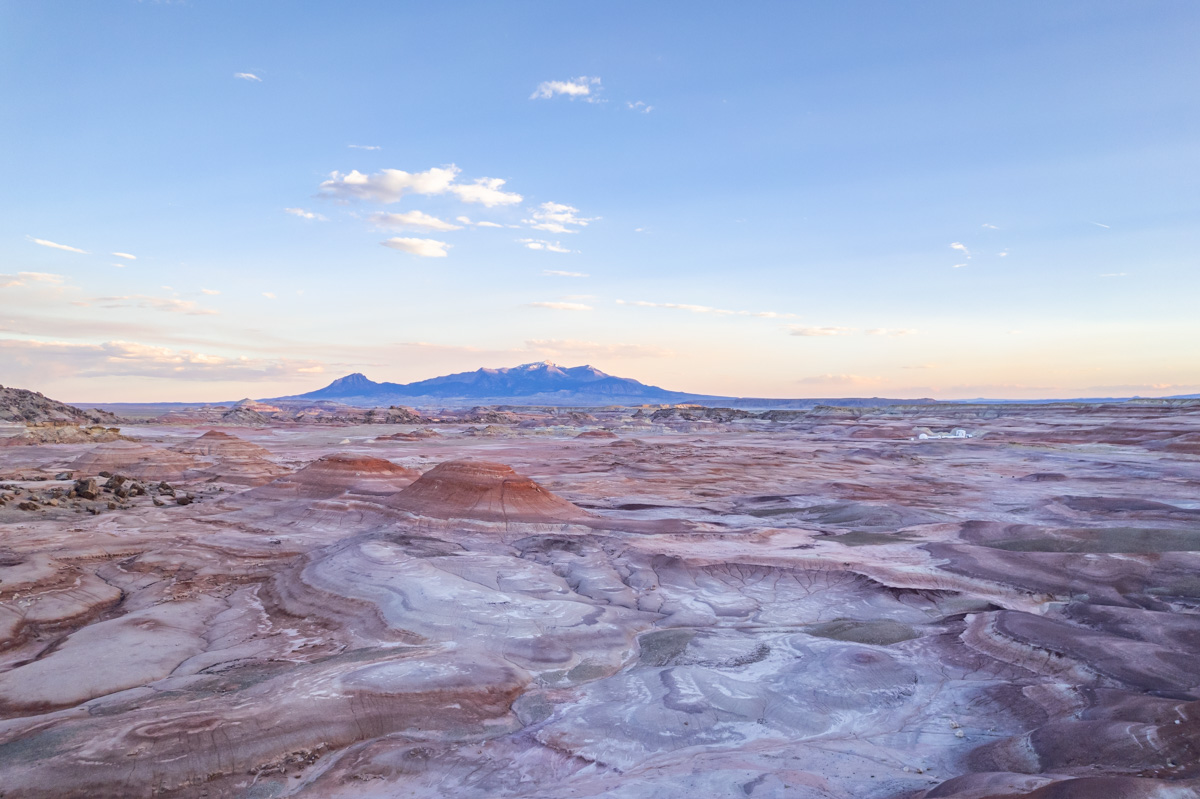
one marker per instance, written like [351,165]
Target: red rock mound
[484,491]
[133,459]
[216,444]
[236,460]
[605,434]
[335,475]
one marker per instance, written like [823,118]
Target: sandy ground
[815,607]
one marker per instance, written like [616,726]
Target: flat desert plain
[684,604]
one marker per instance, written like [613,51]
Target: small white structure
[924,434]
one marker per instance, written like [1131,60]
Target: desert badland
[625,602]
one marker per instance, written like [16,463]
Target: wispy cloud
[1002,254]
[166,304]
[581,88]
[133,359]
[1098,224]
[425,248]
[24,278]
[990,226]
[209,291]
[250,76]
[958,245]
[798,330]
[364,147]
[560,273]
[640,107]
[558,218]
[593,349]
[958,266]
[561,306]
[467,221]
[124,255]
[270,295]
[541,244]
[58,246]
[300,212]
[1114,274]
[413,219]
[886,331]
[705,309]
[839,380]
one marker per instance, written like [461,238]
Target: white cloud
[250,76]
[556,218]
[574,88]
[57,246]
[1114,274]
[364,147]
[166,304]
[639,106]
[541,244]
[467,221]
[119,266]
[300,212]
[209,291]
[270,295]
[961,248]
[388,185]
[706,309]
[958,266]
[562,306]
[426,248]
[560,273]
[487,192]
[990,226]
[884,331]
[798,330]
[1002,254]
[124,255]
[1098,224]
[413,219]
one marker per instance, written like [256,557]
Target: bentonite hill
[824,604]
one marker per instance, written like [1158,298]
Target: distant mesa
[336,475]
[484,491]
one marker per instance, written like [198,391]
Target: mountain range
[542,383]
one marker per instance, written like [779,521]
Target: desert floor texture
[609,605]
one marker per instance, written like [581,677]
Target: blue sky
[772,199]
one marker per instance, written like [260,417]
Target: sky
[211,200]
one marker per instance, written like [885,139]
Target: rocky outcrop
[36,433]
[21,405]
